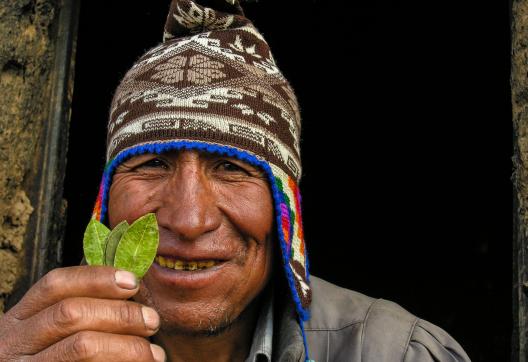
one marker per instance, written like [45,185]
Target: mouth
[185,273]
[185,265]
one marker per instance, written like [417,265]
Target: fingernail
[157,352]
[150,317]
[126,280]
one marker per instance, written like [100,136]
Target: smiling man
[204,132]
[215,217]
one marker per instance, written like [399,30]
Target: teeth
[205,264]
[184,265]
[162,261]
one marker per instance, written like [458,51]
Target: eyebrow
[203,155]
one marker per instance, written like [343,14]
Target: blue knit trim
[307,265]
[158,148]
[306,353]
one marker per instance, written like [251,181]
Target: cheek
[250,209]
[128,201]
[257,271]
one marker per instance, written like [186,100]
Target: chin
[197,325]
[193,318]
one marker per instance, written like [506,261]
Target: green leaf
[112,240]
[94,242]
[137,249]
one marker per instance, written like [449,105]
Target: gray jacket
[349,326]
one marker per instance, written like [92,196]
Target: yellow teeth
[184,265]
[161,261]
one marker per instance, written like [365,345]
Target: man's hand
[80,313]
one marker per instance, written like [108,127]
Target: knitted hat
[213,85]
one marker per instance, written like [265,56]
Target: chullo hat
[213,85]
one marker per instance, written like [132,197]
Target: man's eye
[154,163]
[230,167]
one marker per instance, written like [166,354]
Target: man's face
[215,213]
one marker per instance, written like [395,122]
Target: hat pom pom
[188,17]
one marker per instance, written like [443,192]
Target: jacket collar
[288,346]
[261,347]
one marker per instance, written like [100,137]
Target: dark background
[406,145]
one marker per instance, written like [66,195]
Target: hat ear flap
[188,17]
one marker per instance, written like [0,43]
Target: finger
[78,281]
[98,346]
[73,315]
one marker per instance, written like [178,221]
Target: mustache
[219,239]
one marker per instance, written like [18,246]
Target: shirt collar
[261,347]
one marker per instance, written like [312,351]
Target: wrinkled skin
[80,314]
[205,205]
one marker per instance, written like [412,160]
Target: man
[204,132]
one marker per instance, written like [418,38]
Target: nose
[189,208]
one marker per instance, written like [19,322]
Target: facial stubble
[209,327]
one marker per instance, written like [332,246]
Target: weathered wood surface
[519,84]
[37,42]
